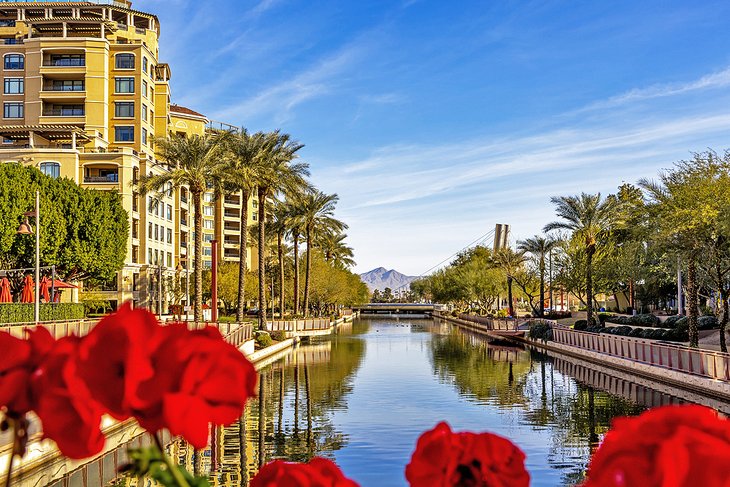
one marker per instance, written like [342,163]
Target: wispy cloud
[719,79]
[279,100]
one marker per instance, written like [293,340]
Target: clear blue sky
[435,120]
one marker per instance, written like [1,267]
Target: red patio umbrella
[28,296]
[45,294]
[5,296]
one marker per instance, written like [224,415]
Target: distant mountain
[381,278]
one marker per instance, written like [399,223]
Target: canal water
[364,396]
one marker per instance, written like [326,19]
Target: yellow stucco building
[84,95]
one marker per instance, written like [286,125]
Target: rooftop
[186,111]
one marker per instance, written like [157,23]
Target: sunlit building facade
[84,96]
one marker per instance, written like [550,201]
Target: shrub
[671,321]
[708,323]
[557,315]
[278,335]
[263,339]
[595,328]
[580,325]
[646,319]
[540,330]
[23,312]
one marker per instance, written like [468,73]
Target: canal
[363,397]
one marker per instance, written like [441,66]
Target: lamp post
[26,229]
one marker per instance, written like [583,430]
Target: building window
[149,256]
[144,136]
[169,259]
[144,88]
[14,86]
[135,260]
[169,235]
[208,210]
[157,232]
[144,112]
[124,109]
[207,237]
[123,134]
[169,212]
[255,204]
[157,256]
[149,233]
[52,169]
[124,61]
[207,251]
[144,64]
[254,217]
[208,224]
[135,280]
[124,85]
[63,110]
[208,197]
[14,61]
[12,110]
[67,85]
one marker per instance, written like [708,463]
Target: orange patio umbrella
[5,296]
[28,296]
[45,294]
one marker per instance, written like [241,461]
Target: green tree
[276,173]
[83,231]
[194,162]
[335,249]
[689,206]
[539,247]
[511,263]
[590,219]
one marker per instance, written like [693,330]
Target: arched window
[14,61]
[124,61]
[52,169]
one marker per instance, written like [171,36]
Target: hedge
[23,312]
[541,330]
[646,319]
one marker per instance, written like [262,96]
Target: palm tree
[279,225]
[295,231]
[275,173]
[590,219]
[243,152]
[318,216]
[335,250]
[539,246]
[193,162]
[510,263]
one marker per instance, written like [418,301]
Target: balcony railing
[63,112]
[65,62]
[66,88]
[109,178]
[184,221]
[231,214]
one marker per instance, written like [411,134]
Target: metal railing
[310,324]
[65,63]
[221,126]
[111,178]
[704,363]
[494,324]
[57,328]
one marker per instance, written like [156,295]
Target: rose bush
[444,458]
[674,446]
[319,472]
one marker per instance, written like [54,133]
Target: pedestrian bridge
[397,308]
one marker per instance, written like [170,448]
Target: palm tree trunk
[243,240]
[510,306]
[589,285]
[692,311]
[296,274]
[542,286]
[308,271]
[279,243]
[724,320]
[262,259]
[198,261]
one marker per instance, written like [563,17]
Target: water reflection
[363,397]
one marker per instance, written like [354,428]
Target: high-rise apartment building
[84,95]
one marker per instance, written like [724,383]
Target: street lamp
[180,268]
[26,229]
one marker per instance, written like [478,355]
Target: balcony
[101,174]
[7,23]
[227,213]
[232,200]
[231,240]
[107,179]
[232,226]
[64,111]
[64,62]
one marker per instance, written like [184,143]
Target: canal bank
[714,382]
[44,465]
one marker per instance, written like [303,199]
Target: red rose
[114,358]
[673,446]
[69,415]
[20,360]
[444,458]
[199,379]
[319,472]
